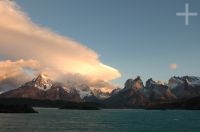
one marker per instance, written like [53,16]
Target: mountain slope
[131,96]
[135,94]
[185,87]
[42,87]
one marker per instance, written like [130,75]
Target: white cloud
[20,39]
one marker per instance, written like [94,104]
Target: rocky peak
[100,94]
[42,78]
[129,83]
[174,82]
[138,78]
[138,83]
[149,83]
[134,84]
[191,78]
[42,82]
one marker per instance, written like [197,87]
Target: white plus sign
[186,14]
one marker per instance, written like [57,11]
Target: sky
[131,37]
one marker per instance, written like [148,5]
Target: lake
[116,120]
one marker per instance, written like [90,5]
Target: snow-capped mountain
[177,81]
[134,83]
[158,91]
[136,94]
[174,82]
[185,87]
[42,82]
[84,91]
[42,87]
[100,94]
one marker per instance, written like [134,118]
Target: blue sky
[137,37]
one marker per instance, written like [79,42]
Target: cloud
[173,66]
[20,39]
[78,80]
[14,73]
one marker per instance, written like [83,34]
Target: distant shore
[24,105]
[16,108]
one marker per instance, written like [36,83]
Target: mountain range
[134,94]
[43,87]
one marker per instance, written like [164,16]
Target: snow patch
[68,90]
[174,82]
[194,83]
[44,87]
[42,82]
[84,94]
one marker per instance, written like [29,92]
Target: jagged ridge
[135,94]
[42,87]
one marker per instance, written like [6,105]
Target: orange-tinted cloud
[14,73]
[173,66]
[20,38]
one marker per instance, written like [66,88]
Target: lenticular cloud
[21,39]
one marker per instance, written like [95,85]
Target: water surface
[126,120]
